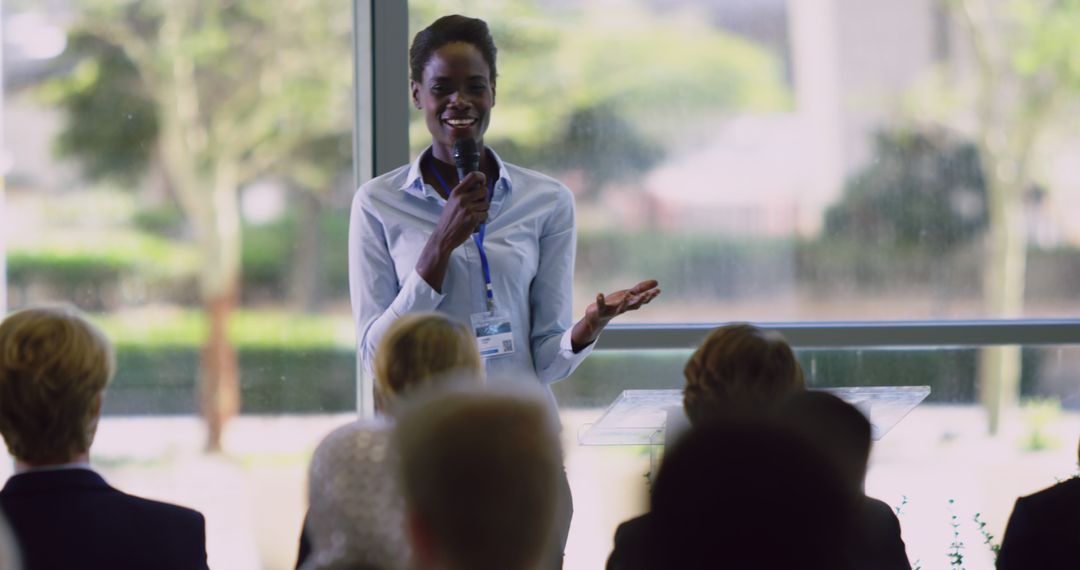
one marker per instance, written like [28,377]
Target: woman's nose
[458,99]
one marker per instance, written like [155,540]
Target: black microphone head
[466,156]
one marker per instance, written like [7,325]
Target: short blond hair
[479,470]
[740,369]
[419,347]
[54,366]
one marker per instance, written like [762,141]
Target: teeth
[460,122]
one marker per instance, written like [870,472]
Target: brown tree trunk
[303,284]
[219,379]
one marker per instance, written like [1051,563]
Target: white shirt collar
[414,180]
[61,467]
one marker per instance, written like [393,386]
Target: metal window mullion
[880,334]
[381,110]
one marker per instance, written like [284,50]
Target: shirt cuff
[416,295]
[566,349]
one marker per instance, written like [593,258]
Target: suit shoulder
[162,510]
[1062,497]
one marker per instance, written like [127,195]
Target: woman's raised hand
[607,307]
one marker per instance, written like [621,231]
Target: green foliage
[1046,46]
[957,547]
[269,252]
[248,329]
[157,380]
[107,257]
[692,265]
[584,86]
[924,190]
[113,121]
[1039,413]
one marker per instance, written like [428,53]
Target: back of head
[739,370]
[839,429]
[54,366]
[747,495]
[419,348]
[479,475]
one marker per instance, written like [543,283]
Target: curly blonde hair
[739,369]
[418,347]
[54,366]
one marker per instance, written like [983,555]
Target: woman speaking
[493,248]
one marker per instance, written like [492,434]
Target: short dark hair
[747,494]
[838,428]
[447,30]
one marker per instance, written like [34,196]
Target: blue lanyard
[478,238]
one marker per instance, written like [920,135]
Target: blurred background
[182,171]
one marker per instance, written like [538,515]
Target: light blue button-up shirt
[530,244]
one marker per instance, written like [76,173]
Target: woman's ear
[492,93]
[414,89]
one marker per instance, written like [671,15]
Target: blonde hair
[479,471]
[54,366]
[740,369]
[418,347]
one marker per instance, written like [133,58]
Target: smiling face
[456,95]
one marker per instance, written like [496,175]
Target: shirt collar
[414,181]
[61,467]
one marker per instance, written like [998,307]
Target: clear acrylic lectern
[641,417]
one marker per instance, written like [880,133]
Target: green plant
[956,547]
[988,539]
[1039,413]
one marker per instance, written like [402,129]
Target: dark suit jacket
[1044,530]
[71,518]
[877,544]
[631,550]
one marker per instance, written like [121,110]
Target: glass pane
[773,161]
[179,170]
[937,462]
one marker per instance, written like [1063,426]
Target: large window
[862,174]
[883,181]
[181,171]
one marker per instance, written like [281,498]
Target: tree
[609,94]
[1027,64]
[218,94]
[924,190]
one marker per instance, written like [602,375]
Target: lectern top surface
[639,417]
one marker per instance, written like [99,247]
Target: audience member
[739,371]
[479,473]
[1044,530]
[745,495]
[842,433]
[356,516]
[9,550]
[54,367]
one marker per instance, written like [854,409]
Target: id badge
[494,335]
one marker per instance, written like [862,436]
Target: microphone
[466,157]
